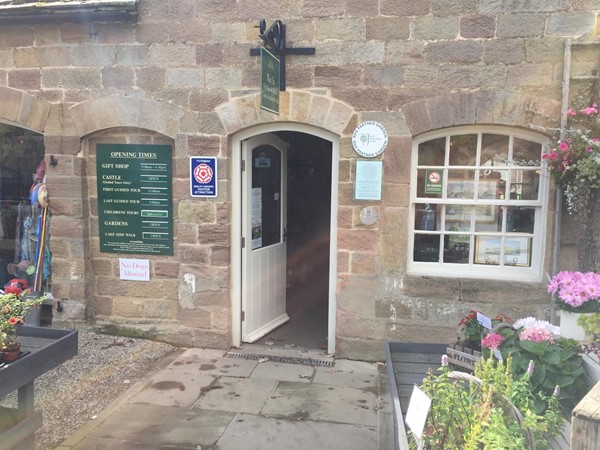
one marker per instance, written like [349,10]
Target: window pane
[520,219]
[492,184]
[494,150]
[427,248]
[488,218]
[526,153]
[458,218]
[488,250]
[266,183]
[463,150]
[517,251]
[456,248]
[426,217]
[461,184]
[431,153]
[524,185]
[430,183]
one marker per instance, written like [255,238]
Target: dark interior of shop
[308,219]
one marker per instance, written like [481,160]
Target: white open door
[264,197]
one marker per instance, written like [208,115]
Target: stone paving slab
[356,374]
[182,386]
[264,433]
[283,372]
[170,426]
[113,444]
[237,395]
[213,362]
[299,401]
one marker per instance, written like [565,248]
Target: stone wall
[182,74]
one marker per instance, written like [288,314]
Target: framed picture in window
[485,213]
[460,188]
[517,251]
[488,250]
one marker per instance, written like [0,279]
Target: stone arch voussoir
[483,107]
[121,111]
[294,106]
[23,109]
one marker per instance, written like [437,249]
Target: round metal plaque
[368,216]
[370,139]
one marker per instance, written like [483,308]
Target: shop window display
[22,186]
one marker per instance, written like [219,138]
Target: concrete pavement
[204,400]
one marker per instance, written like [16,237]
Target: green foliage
[482,413]
[555,364]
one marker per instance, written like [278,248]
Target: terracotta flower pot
[10,356]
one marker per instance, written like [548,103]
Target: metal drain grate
[284,359]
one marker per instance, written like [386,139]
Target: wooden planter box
[47,349]
[407,364]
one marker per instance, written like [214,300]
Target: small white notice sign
[484,321]
[134,269]
[418,409]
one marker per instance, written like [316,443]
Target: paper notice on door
[256,218]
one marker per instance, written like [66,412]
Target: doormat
[283,359]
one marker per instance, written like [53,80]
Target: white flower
[532,322]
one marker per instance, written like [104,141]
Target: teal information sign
[135,198]
[269,86]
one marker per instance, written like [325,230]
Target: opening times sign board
[135,198]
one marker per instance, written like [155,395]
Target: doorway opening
[309,163]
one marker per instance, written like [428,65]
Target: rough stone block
[127,307]
[101,306]
[396,160]
[120,78]
[332,53]
[28,79]
[13,36]
[223,77]
[572,24]
[421,76]
[218,298]
[71,78]
[364,263]
[338,75]
[359,240]
[393,224]
[316,8]
[544,51]
[434,28]
[383,76]
[367,52]
[209,55]
[473,76]
[520,25]
[454,7]
[196,318]
[405,53]
[454,52]
[156,308]
[529,75]
[172,55]
[339,29]
[46,34]
[193,254]
[477,26]
[94,56]
[363,99]
[387,28]
[405,8]
[519,6]
[507,51]
[184,78]
[132,55]
[224,32]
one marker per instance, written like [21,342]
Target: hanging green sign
[135,198]
[269,86]
[434,181]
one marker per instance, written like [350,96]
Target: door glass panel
[463,150]
[266,196]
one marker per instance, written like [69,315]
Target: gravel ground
[74,392]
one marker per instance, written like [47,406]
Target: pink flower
[588,111]
[571,112]
[563,146]
[575,288]
[536,335]
[552,155]
[492,341]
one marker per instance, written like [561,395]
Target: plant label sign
[418,409]
[484,321]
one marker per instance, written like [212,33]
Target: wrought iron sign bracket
[274,39]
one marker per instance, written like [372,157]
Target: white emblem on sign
[203,173]
[370,139]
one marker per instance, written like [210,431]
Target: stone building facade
[180,73]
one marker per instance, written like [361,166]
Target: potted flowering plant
[576,293]
[471,331]
[13,309]
[537,346]
[573,160]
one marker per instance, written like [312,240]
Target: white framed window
[478,204]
